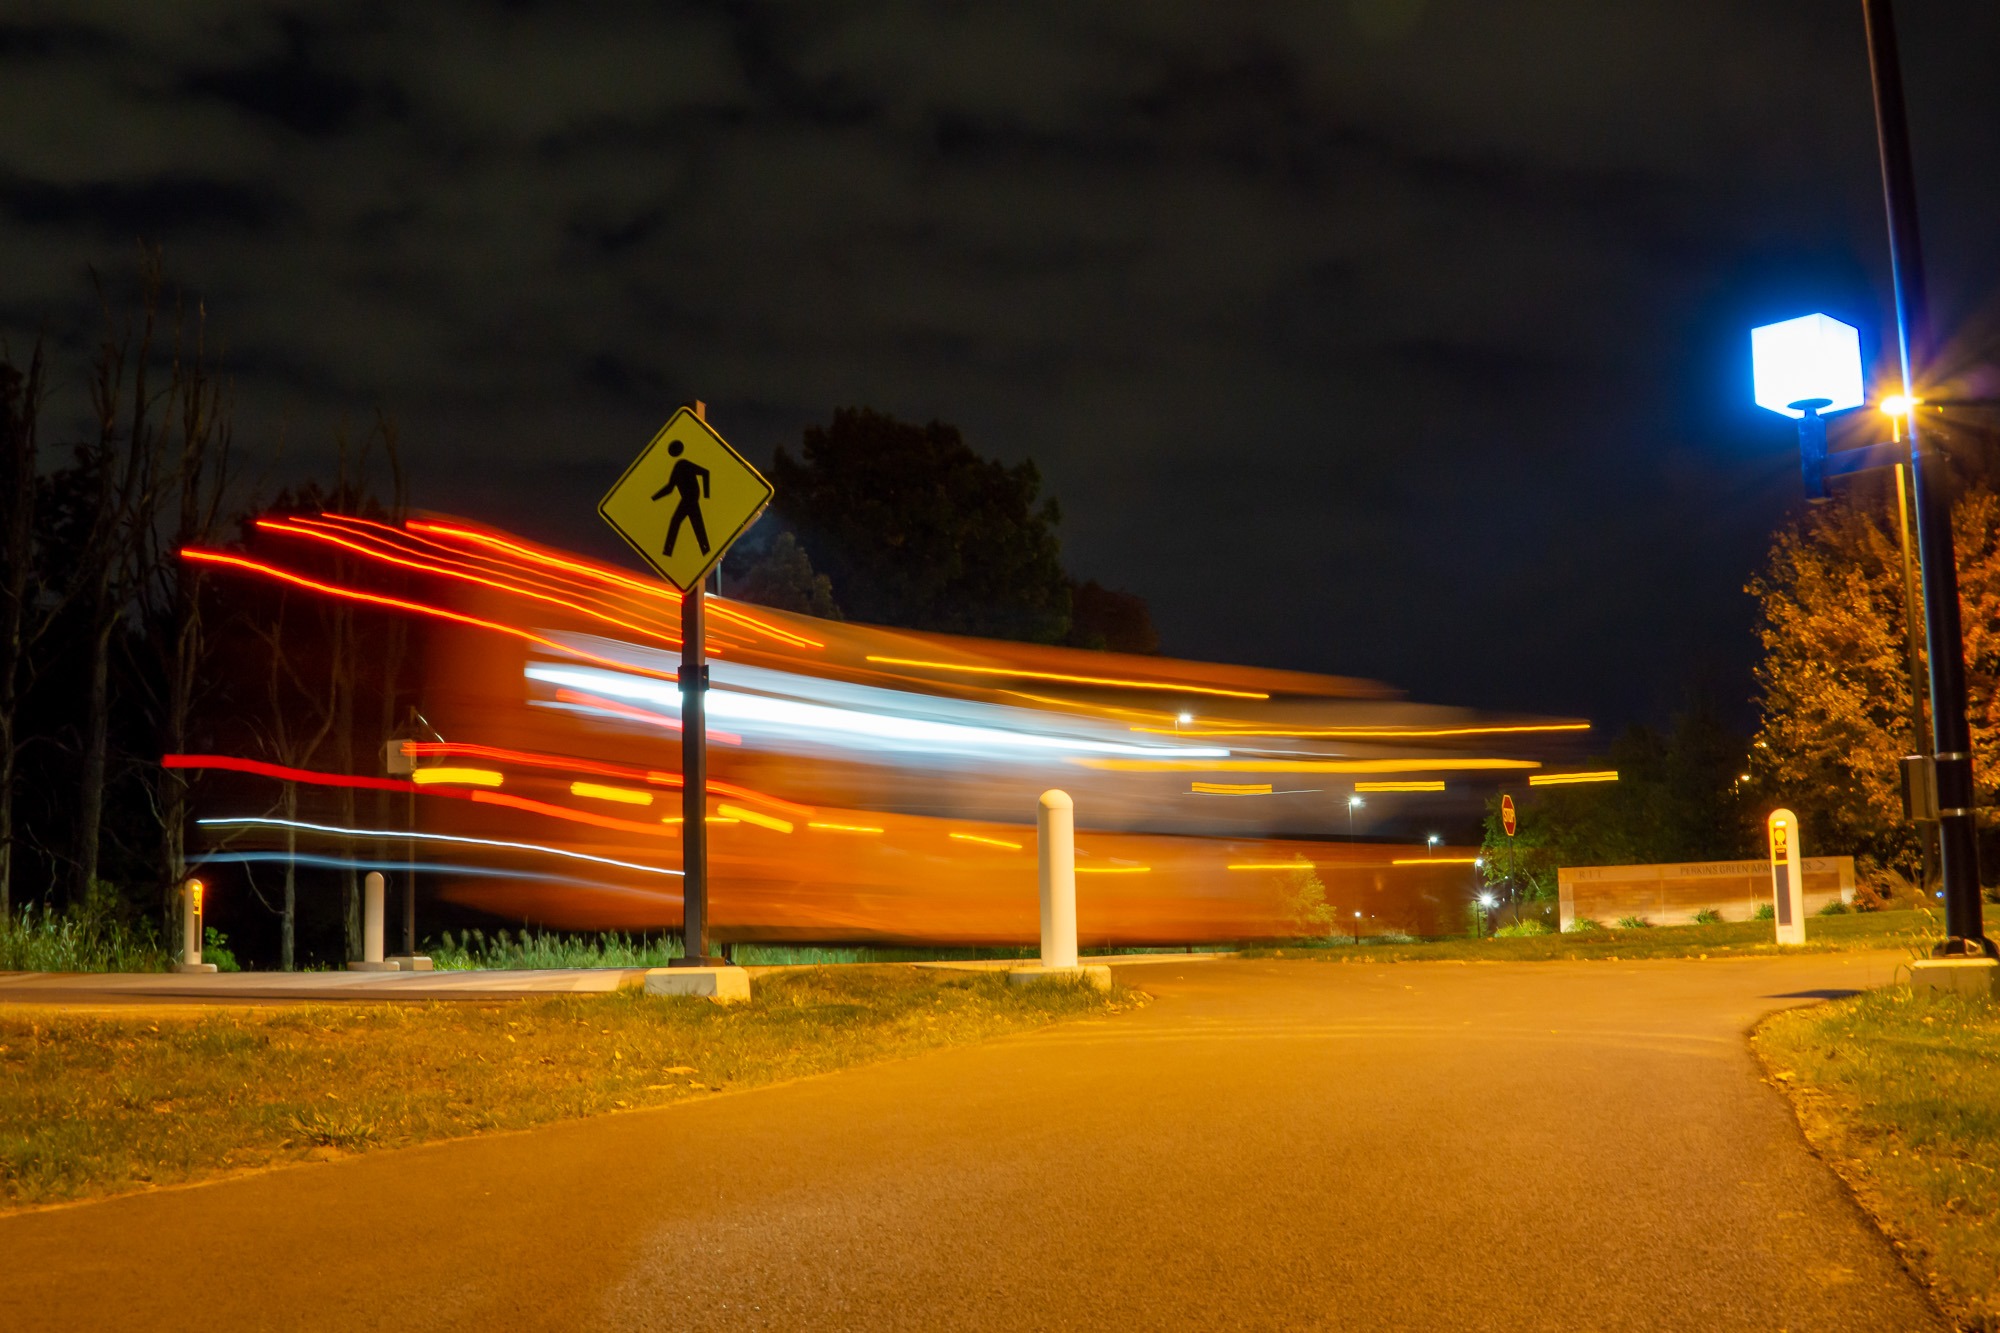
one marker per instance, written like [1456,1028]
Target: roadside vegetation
[77,942]
[1900,1092]
[93,1105]
[1913,930]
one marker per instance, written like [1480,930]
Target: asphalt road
[1270,1145]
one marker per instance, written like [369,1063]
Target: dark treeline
[114,652]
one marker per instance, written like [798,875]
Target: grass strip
[95,1105]
[1900,1092]
[1913,930]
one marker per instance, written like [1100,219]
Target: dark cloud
[1376,336]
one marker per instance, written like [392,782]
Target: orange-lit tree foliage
[1834,679]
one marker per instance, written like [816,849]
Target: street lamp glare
[1486,900]
[1898,405]
[1811,359]
[1355,800]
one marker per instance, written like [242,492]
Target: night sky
[1380,337]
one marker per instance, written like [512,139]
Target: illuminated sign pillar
[191,934]
[1788,893]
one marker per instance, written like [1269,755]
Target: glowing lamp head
[1186,718]
[1898,405]
[1434,839]
[1486,900]
[195,888]
[1353,801]
[1814,358]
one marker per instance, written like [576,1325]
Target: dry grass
[96,1104]
[1901,1093]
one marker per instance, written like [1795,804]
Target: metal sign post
[708,488]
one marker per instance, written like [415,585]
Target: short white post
[371,918]
[1788,890]
[1055,857]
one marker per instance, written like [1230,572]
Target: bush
[1633,923]
[215,949]
[1520,928]
[1581,923]
[1834,908]
[1708,916]
[1764,912]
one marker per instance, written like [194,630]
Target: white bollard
[1055,857]
[371,917]
[1788,890]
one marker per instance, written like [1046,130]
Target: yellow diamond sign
[685,499]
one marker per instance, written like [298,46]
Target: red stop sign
[1507,814]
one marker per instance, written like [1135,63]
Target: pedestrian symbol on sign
[688,478]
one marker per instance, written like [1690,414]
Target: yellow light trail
[1113,870]
[1301,765]
[1231,788]
[844,828]
[993,842]
[771,822]
[462,777]
[1435,861]
[597,791]
[1569,779]
[1024,674]
[1418,785]
[1271,865]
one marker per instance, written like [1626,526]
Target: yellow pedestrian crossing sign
[685,499]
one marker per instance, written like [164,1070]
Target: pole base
[194,967]
[699,960]
[1959,947]
[363,965]
[1097,977]
[406,962]
[1962,976]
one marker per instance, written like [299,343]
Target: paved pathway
[1270,1145]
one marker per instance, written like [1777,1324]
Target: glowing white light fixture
[1898,405]
[1811,359]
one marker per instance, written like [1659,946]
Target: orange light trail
[427,567]
[1114,870]
[1272,865]
[574,816]
[752,817]
[1299,765]
[844,828]
[1435,861]
[529,759]
[1360,733]
[599,792]
[415,608]
[1399,786]
[611,576]
[1025,674]
[1569,779]
[464,777]
[1231,788]
[992,842]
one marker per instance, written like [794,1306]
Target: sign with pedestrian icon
[685,499]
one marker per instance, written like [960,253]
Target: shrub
[215,949]
[1520,928]
[1708,916]
[1835,907]
[1579,923]
[1632,923]
[1764,912]
[86,941]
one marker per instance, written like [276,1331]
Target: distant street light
[1433,844]
[1353,803]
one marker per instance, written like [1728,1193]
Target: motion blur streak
[378,599]
[464,777]
[1566,779]
[873,784]
[1119,682]
[404,835]
[1420,785]
[283,773]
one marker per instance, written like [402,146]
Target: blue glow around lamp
[1806,368]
